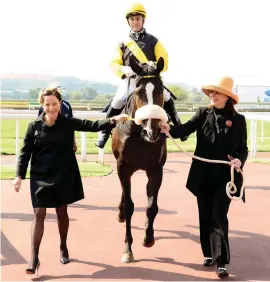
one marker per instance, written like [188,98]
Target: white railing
[254,117]
[30,115]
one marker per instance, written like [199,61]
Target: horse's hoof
[127,257]
[121,219]
[149,245]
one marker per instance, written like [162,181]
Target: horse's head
[149,99]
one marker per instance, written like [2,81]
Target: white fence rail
[254,117]
[30,115]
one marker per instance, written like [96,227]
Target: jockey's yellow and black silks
[146,49]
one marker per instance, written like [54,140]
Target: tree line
[86,93]
[89,93]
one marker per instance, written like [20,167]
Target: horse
[137,144]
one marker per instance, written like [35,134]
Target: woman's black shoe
[64,260]
[34,269]
[222,272]
[208,262]
[64,256]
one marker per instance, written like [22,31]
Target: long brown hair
[229,106]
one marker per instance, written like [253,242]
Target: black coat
[233,142]
[55,178]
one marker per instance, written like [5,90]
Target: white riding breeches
[124,91]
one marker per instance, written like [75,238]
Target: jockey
[146,49]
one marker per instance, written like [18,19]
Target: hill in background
[24,82]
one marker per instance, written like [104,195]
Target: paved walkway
[96,238]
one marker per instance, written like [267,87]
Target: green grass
[86,169]
[8,129]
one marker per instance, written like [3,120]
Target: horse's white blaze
[149,92]
[148,126]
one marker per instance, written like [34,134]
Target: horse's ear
[160,65]
[134,65]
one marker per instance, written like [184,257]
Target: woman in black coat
[55,179]
[221,135]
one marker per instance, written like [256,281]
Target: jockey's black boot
[106,108]
[170,109]
[105,134]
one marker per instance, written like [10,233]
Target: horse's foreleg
[124,174]
[154,175]
[121,215]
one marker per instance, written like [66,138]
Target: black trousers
[213,205]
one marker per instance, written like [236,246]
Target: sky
[205,39]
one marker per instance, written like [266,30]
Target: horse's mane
[130,104]
[128,126]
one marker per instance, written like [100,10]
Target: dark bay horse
[141,147]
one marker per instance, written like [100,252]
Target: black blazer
[235,143]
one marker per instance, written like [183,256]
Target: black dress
[55,178]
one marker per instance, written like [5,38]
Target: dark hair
[134,14]
[229,106]
[49,92]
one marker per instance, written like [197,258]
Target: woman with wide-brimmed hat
[221,135]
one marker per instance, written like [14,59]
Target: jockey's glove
[152,64]
[127,71]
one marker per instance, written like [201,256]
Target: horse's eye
[144,122]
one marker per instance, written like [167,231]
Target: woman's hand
[165,128]
[236,162]
[17,183]
[118,118]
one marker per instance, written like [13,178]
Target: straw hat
[223,86]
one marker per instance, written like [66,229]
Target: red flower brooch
[228,123]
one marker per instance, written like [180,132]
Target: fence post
[83,146]
[255,139]
[17,139]
[251,138]
[100,151]
[101,156]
